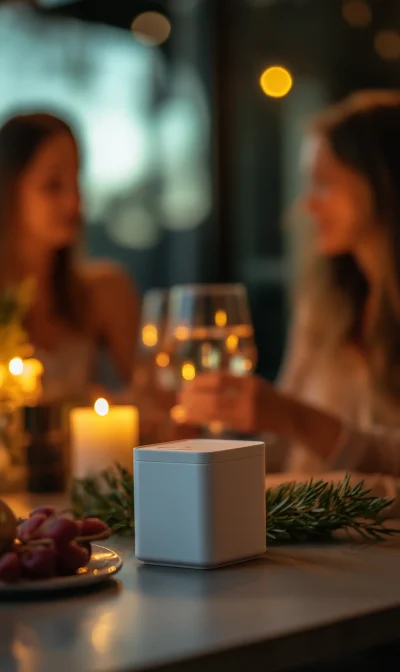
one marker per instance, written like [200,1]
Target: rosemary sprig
[314,510]
[307,511]
[108,497]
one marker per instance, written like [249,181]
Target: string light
[276,81]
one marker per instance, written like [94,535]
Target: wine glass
[152,327]
[153,387]
[209,329]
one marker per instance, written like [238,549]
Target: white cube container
[199,503]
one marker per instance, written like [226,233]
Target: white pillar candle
[101,436]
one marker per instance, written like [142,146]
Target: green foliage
[296,512]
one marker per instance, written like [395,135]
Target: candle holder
[46,440]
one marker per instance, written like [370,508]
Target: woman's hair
[20,138]
[363,131]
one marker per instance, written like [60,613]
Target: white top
[339,384]
[199,451]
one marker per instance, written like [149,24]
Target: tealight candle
[101,436]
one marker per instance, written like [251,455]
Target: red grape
[88,546]
[8,527]
[61,530]
[72,557]
[29,529]
[10,568]
[91,527]
[39,563]
[47,511]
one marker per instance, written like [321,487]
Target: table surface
[293,606]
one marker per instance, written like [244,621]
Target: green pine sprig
[295,512]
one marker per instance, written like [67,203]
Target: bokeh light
[178,414]
[276,81]
[182,333]
[221,318]
[357,13]
[151,28]
[150,335]
[16,366]
[188,371]
[163,360]
[232,343]
[387,44]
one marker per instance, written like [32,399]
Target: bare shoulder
[108,280]
[103,271]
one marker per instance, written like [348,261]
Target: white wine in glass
[209,329]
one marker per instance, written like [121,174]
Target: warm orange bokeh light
[178,414]
[150,335]
[182,333]
[188,371]
[221,318]
[357,13]
[163,360]
[232,343]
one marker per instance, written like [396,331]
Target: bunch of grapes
[47,545]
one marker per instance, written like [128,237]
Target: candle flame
[16,366]
[101,407]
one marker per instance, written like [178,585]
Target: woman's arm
[375,450]
[117,314]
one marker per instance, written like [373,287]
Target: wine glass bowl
[209,329]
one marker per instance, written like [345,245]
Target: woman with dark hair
[79,306]
[337,404]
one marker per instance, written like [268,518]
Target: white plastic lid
[199,451]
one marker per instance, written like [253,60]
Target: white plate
[103,564]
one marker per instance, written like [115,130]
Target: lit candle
[101,436]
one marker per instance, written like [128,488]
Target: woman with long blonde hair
[337,402]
